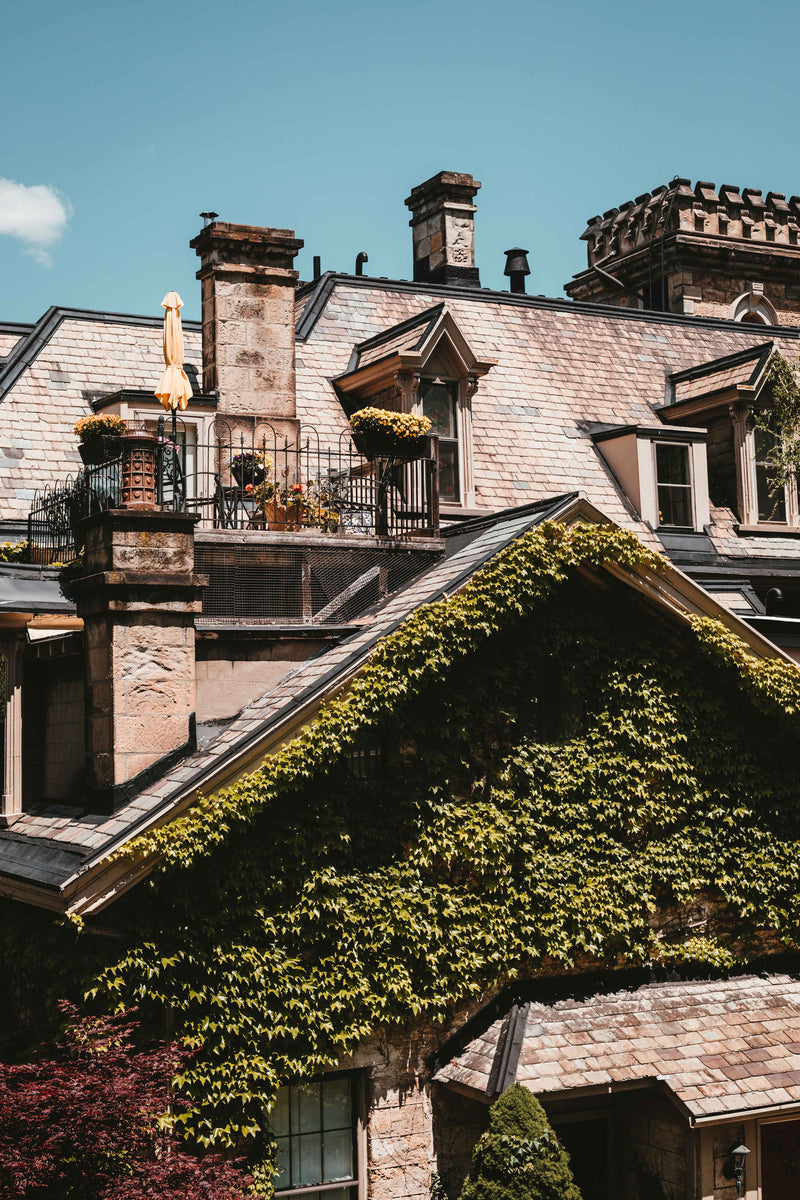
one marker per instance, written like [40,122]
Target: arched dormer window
[753,308]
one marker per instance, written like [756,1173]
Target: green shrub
[519,1157]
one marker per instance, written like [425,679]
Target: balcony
[254,480]
[290,532]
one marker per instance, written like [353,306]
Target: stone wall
[658,1149]
[54,730]
[458,1122]
[229,674]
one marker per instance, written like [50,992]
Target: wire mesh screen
[260,584]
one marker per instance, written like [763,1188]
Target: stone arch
[753,308]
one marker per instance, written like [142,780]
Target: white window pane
[336,1109]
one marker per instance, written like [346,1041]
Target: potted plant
[279,509]
[250,467]
[378,432]
[100,437]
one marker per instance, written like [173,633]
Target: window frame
[355,1185]
[629,452]
[457,390]
[690,487]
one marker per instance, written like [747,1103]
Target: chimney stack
[442,225]
[247,279]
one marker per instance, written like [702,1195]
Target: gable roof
[742,369]
[720,1048]
[68,359]
[409,335]
[54,850]
[58,860]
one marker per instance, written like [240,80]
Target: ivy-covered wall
[550,762]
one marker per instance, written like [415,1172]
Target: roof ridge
[330,280]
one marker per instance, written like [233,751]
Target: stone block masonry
[247,284]
[138,601]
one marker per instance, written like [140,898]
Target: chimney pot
[517,268]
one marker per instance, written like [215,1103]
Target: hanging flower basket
[379,433]
[100,438]
[250,468]
[100,449]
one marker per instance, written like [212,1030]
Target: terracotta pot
[281,517]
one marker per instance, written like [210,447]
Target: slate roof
[743,368]
[720,1047]
[408,335]
[51,846]
[49,379]
[563,368]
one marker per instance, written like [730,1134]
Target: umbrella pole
[174,440]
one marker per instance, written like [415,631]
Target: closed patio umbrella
[174,390]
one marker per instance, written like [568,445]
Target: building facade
[196,631]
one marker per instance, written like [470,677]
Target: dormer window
[424,365]
[724,397]
[662,471]
[674,485]
[439,401]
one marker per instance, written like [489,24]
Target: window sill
[769,528]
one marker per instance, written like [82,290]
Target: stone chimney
[248,283]
[442,225]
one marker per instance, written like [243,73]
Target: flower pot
[377,443]
[244,473]
[281,517]
[99,449]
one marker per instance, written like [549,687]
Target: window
[315,1130]
[770,507]
[674,486]
[440,406]
[663,472]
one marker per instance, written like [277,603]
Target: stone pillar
[138,601]
[442,227]
[248,283]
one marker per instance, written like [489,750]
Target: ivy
[780,421]
[558,764]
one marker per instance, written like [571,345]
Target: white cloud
[36,215]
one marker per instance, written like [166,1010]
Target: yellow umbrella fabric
[174,390]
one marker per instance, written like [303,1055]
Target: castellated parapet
[702,250]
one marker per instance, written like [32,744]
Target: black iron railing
[252,476]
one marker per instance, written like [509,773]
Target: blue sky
[320,115]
